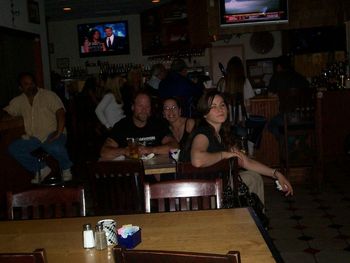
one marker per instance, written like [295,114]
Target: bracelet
[274,174]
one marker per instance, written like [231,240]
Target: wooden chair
[46,202]
[38,256]
[222,169]
[298,109]
[142,256]
[186,194]
[117,186]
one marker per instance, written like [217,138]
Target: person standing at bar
[176,84]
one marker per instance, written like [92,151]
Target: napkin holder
[130,241]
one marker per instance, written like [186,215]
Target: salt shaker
[100,238]
[88,236]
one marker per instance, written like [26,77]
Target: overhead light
[67,9]
[155,1]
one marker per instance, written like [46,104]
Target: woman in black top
[212,141]
[180,127]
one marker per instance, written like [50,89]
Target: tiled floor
[314,225]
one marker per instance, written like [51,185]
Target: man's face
[142,108]
[108,32]
[28,86]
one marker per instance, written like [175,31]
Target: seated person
[211,142]
[284,78]
[180,126]
[153,135]
[44,120]
[110,109]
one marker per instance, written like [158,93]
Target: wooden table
[160,164]
[211,231]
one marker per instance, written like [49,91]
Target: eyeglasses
[172,108]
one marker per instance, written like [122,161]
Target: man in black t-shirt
[153,135]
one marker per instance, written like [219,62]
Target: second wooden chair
[186,194]
[46,202]
[117,186]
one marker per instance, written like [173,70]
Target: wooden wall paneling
[268,153]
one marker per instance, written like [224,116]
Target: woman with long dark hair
[212,141]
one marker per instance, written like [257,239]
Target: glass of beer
[133,148]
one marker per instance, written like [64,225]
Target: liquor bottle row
[335,76]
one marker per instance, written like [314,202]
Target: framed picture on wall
[33,11]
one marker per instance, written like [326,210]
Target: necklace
[218,137]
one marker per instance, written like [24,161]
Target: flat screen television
[253,12]
[103,39]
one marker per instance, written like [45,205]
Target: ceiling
[95,8]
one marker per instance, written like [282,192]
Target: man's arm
[4,116]
[168,142]
[61,119]
[110,150]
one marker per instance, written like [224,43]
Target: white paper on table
[148,156]
[119,158]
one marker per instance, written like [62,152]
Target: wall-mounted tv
[103,39]
[253,12]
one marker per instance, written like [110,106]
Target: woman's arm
[199,155]
[262,169]
[190,125]
[101,107]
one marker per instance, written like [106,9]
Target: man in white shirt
[44,121]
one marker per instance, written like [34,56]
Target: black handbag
[242,197]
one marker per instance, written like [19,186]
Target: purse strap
[234,177]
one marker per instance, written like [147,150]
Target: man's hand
[54,136]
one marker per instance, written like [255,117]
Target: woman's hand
[242,158]
[286,186]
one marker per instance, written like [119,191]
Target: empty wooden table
[211,231]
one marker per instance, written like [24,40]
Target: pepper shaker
[88,236]
[100,238]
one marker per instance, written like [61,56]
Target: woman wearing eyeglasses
[180,127]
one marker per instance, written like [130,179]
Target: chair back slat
[46,202]
[184,190]
[184,205]
[172,204]
[142,256]
[109,181]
